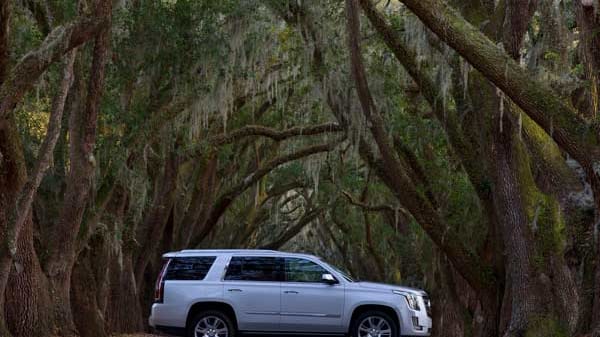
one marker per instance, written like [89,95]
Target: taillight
[159,288]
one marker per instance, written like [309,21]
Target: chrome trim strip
[271,313]
[300,314]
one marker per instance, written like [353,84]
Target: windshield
[344,274]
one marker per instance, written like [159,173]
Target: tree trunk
[62,247]
[199,208]
[28,306]
[5,260]
[89,287]
[5,21]
[596,309]
[13,175]
[123,312]
[526,300]
[589,24]
[151,233]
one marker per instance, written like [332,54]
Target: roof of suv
[202,252]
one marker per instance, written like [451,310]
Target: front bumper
[416,323]
[419,324]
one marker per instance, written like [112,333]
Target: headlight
[411,300]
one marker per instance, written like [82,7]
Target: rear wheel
[211,324]
[374,324]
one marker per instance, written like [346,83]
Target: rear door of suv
[253,285]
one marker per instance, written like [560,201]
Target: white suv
[223,293]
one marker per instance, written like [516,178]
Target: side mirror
[329,279]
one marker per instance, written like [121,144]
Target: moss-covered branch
[574,134]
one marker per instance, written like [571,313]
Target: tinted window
[301,270]
[189,268]
[255,269]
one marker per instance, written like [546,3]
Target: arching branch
[227,198]
[59,42]
[393,173]
[577,136]
[294,230]
[276,135]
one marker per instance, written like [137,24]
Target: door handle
[290,292]
[235,290]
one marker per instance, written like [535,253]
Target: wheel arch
[360,309]
[223,307]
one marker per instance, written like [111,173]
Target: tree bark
[28,305]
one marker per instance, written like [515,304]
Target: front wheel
[374,324]
[211,324]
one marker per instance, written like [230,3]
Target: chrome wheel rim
[211,326]
[375,326]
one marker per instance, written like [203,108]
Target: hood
[390,287]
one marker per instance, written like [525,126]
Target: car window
[189,268]
[243,268]
[301,270]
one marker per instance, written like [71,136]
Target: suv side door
[307,303]
[252,284]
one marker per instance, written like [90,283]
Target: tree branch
[294,230]
[372,208]
[573,133]
[227,198]
[276,135]
[59,42]
[393,173]
[27,194]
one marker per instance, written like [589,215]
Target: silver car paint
[284,306]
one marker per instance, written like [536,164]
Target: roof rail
[228,251]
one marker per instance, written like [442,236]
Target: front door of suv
[307,303]
[252,284]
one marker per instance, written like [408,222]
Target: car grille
[427,305]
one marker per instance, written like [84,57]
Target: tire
[217,319]
[362,321]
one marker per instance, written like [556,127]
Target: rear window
[255,269]
[189,268]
